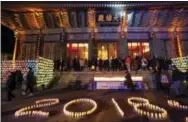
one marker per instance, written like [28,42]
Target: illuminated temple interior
[97,29]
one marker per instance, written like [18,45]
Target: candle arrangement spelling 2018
[137,103]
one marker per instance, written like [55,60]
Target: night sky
[7,40]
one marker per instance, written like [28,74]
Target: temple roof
[32,15]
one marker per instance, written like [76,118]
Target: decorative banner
[109,17]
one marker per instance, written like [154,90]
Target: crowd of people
[113,64]
[16,81]
[177,81]
[159,68]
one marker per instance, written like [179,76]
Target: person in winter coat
[144,63]
[19,80]
[89,64]
[157,73]
[128,63]
[10,86]
[30,81]
[165,81]
[176,78]
[129,80]
[100,64]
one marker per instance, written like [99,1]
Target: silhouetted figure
[19,80]
[154,63]
[157,73]
[100,64]
[138,62]
[30,81]
[176,79]
[69,64]
[128,63]
[89,64]
[129,80]
[74,63]
[10,86]
[62,64]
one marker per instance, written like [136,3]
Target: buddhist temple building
[57,30]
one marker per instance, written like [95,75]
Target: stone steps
[67,78]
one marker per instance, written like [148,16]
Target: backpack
[164,79]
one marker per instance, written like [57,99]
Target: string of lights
[44,71]
[181,63]
[42,68]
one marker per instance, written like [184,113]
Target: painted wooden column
[179,46]
[174,52]
[123,45]
[90,50]
[92,25]
[41,44]
[15,45]
[38,46]
[152,38]
[64,44]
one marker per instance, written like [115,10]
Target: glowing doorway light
[122,14]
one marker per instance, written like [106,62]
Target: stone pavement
[106,112]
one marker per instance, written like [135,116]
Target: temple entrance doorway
[138,48]
[77,50]
[106,50]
